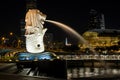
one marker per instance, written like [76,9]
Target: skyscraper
[94,20]
[102,22]
[31,4]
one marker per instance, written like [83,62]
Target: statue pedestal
[44,63]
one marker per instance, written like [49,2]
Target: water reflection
[89,72]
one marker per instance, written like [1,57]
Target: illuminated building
[66,42]
[102,37]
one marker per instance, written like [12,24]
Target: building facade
[102,37]
[97,35]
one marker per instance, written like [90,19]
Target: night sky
[70,12]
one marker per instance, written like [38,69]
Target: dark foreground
[102,77]
[5,76]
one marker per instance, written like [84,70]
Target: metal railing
[90,57]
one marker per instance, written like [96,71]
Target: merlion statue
[35,31]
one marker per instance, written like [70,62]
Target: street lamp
[11,33]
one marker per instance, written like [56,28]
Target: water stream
[68,29]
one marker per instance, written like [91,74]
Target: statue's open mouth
[43,18]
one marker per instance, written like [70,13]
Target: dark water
[79,72]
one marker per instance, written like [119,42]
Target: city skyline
[72,13]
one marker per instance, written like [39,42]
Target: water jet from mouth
[68,29]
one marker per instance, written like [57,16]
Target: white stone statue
[35,31]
